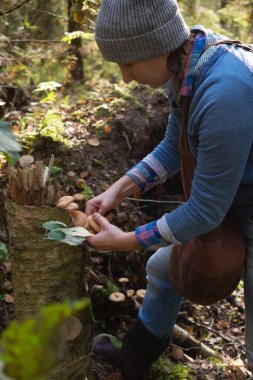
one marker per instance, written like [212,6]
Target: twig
[127,141]
[49,13]
[13,8]
[229,340]
[26,243]
[67,52]
[38,41]
[153,201]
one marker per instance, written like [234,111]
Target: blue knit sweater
[220,136]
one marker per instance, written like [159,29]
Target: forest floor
[98,138]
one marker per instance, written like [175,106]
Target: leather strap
[248,47]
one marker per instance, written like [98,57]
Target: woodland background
[59,97]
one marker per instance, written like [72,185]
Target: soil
[133,133]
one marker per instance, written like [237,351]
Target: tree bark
[45,272]
[77,69]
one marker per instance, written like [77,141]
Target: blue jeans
[162,302]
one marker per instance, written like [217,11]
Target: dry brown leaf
[93,142]
[114,376]
[107,128]
[73,328]
[84,174]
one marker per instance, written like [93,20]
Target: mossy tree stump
[46,271]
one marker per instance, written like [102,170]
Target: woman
[151,43]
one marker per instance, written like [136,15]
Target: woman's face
[154,72]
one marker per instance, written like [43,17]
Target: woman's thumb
[99,219]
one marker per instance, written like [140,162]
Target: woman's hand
[112,238]
[112,197]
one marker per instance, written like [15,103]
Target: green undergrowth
[165,369]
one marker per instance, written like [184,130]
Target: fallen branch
[187,342]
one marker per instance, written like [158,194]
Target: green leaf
[47,86]
[56,170]
[69,37]
[8,145]
[114,341]
[71,236]
[31,349]
[53,225]
[56,235]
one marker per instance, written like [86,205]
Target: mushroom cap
[130,292]
[79,197]
[93,224]
[26,161]
[71,174]
[72,206]
[80,183]
[117,297]
[123,280]
[79,218]
[140,293]
[63,202]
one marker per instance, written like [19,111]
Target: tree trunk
[77,69]
[46,271]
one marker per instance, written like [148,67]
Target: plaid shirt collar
[198,47]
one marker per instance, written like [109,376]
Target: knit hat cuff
[158,42]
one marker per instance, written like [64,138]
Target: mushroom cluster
[79,218]
[136,296]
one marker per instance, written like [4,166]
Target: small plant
[31,349]
[165,369]
[51,126]
[86,191]
[49,88]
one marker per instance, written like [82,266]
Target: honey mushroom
[117,297]
[79,218]
[63,202]
[72,206]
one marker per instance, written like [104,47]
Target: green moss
[165,369]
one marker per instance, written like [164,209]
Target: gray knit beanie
[128,31]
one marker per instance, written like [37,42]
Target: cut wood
[45,271]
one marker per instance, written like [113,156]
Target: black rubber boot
[139,350]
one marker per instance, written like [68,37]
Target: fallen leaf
[84,174]
[114,376]
[93,142]
[73,328]
[107,128]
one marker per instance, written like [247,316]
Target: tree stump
[46,271]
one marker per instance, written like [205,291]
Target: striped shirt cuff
[144,176]
[149,236]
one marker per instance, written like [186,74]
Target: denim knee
[158,263]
